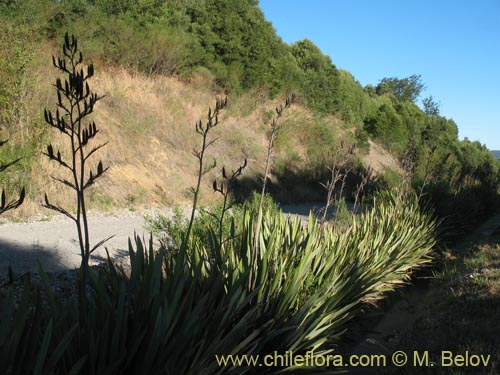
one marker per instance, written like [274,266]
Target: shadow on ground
[24,259]
[303,209]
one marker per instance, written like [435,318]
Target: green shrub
[394,237]
[361,136]
[171,230]
[390,179]
[387,126]
[343,216]
[316,278]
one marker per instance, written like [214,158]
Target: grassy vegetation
[461,307]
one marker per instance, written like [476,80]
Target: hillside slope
[149,123]
[162,64]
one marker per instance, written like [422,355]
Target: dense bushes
[229,37]
[387,126]
[320,77]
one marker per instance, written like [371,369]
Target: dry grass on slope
[149,123]
[380,160]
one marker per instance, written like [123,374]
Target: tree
[387,126]
[351,102]
[431,107]
[236,37]
[321,78]
[408,88]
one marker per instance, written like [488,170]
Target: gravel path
[54,242]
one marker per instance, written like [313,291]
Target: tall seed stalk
[75,102]
[13,204]
[338,173]
[224,188]
[367,177]
[199,154]
[270,147]
[9,205]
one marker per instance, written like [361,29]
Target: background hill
[161,63]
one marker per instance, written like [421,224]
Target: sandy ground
[54,242]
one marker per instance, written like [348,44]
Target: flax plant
[173,313]
[203,131]
[270,147]
[225,188]
[312,280]
[75,102]
[338,173]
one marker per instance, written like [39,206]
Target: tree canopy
[240,50]
[408,88]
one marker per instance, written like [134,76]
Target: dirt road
[54,241]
